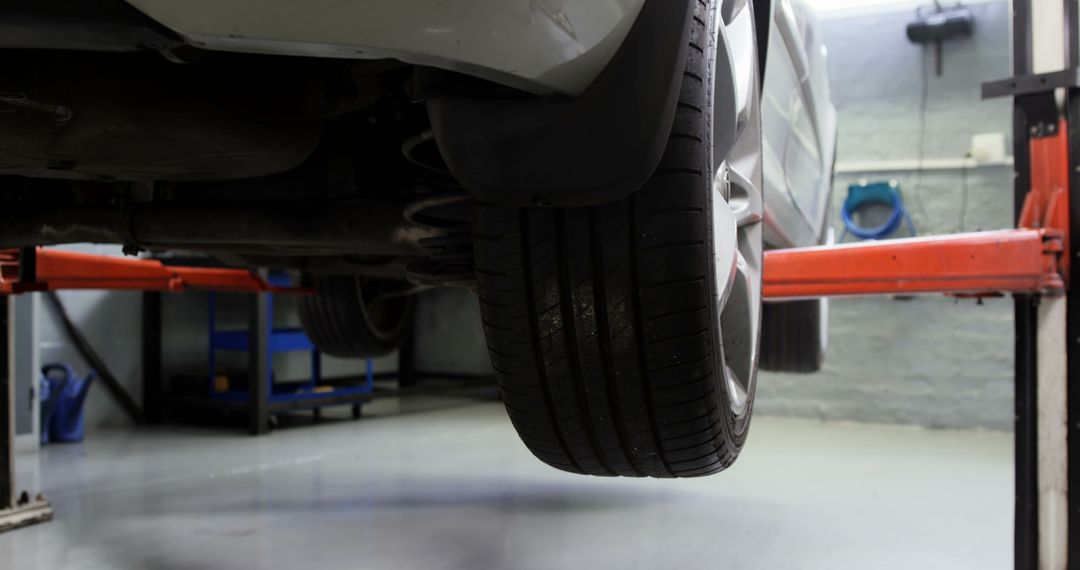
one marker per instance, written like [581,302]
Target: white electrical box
[988,147]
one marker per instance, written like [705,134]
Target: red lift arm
[982,263]
[55,270]
[1025,260]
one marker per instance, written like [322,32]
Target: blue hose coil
[883,193]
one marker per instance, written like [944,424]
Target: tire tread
[610,369]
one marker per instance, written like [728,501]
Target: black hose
[83,346]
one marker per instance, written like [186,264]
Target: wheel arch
[573,151]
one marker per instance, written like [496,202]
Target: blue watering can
[62,397]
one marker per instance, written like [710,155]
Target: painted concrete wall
[449,336]
[112,322]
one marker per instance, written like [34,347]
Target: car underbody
[304,164]
[122,133]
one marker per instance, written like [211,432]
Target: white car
[604,173]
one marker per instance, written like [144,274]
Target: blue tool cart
[263,396]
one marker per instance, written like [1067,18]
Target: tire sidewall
[735,427]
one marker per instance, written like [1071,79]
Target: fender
[595,148]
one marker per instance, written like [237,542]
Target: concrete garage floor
[444,483]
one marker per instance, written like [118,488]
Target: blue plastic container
[62,398]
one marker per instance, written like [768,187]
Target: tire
[794,336]
[602,321]
[341,318]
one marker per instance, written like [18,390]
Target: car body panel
[799,123]
[541,46]
[552,47]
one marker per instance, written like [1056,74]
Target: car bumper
[542,46]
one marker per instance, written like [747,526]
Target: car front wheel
[355,317]
[625,336]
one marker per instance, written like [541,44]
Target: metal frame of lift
[1031,262]
[1047,352]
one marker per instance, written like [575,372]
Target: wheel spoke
[745,200]
[738,213]
[736,392]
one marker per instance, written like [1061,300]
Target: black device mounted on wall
[939,25]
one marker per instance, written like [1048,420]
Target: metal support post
[153,395]
[1073,322]
[7,420]
[1026,502]
[407,361]
[259,364]
[16,509]
[1026,496]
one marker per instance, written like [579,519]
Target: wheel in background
[353,317]
[794,335]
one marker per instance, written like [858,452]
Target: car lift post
[153,392]
[1046,53]
[16,509]
[1042,455]
[259,362]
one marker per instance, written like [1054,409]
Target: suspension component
[450,259]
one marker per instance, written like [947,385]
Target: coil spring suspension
[451,259]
